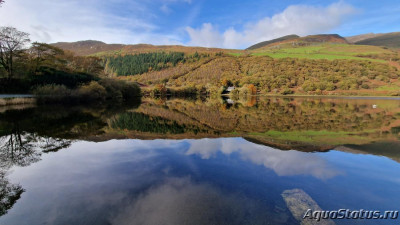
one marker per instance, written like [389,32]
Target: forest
[143,62]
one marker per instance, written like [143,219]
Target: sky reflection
[283,163]
[206,181]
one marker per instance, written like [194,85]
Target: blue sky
[225,23]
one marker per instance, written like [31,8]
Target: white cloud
[295,19]
[182,201]
[283,163]
[59,20]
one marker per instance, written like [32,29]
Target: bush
[52,93]
[309,86]
[119,90]
[101,91]
[287,91]
[159,90]
[52,90]
[365,86]
[92,91]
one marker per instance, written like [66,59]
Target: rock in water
[299,202]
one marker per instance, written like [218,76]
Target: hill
[316,64]
[98,48]
[295,40]
[265,43]
[265,75]
[390,40]
[87,47]
[324,38]
[361,37]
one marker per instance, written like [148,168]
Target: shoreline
[10,101]
[326,96]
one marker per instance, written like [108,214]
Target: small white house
[229,89]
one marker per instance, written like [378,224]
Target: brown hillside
[87,47]
[97,47]
[321,38]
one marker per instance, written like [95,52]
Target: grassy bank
[16,101]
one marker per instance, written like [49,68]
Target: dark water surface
[203,161]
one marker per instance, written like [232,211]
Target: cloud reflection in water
[283,163]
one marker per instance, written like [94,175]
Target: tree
[44,55]
[11,43]
[1,2]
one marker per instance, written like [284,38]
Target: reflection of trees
[18,149]
[9,193]
[22,148]
[28,133]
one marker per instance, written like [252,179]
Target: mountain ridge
[389,40]
[93,47]
[297,40]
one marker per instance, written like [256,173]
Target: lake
[199,161]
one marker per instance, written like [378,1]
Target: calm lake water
[198,161]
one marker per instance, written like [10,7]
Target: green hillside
[328,51]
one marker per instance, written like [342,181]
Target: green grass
[324,51]
[314,137]
[237,54]
[388,88]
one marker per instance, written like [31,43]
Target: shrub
[330,87]
[365,86]
[52,90]
[287,91]
[92,91]
[119,90]
[309,86]
[52,93]
[105,89]
[248,89]
[159,90]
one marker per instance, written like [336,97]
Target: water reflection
[9,193]
[207,160]
[182,201]
[283,163]
[176,182]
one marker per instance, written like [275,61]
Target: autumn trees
[12,42]
[274,76]
[55,75]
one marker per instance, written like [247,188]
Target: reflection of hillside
[278,114]
[388,148]
[190,112]
[284,123]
